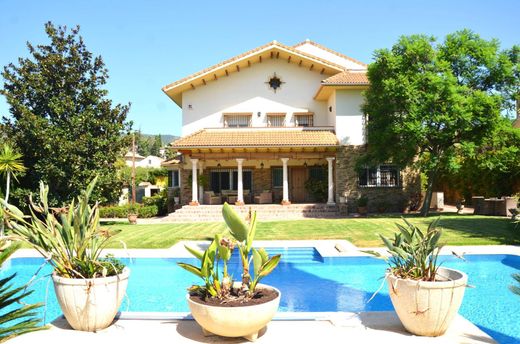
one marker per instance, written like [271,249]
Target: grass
[363,232]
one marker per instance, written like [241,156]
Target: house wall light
[258,114]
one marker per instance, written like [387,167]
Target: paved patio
[370,327]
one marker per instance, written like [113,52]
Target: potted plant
[132,214]
[220,305]
[460,205]
[89,288]
[362,205]
[176,195]
[425,296]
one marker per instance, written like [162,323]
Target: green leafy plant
[70,238]
[362,201]
[413,254]
[221,249]
[15,320]
[317,188]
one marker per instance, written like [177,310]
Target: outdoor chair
[265,197]
[211,198]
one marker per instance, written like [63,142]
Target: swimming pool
[309,283]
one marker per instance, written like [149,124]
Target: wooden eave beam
[277,54]
[300,63]
[227,73]
[204,81]
[289,59]
[192,86]
[322,70]
[238,68]
[260,59]
[312,66]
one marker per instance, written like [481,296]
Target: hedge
[124,210]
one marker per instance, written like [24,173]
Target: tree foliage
[429,102]
[61,120]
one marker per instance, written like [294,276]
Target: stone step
[213,213]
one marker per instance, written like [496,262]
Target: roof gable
[271,50]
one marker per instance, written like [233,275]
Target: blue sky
[148,44]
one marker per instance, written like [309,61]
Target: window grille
[304,120]
[237,120]
[380,176]
[276,119]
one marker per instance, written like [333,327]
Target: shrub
[160,200]
[123,211]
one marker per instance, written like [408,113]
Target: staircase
[265,212]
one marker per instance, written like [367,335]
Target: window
[275,119]
[303,119]
[173,179]
[237,120]
[225,179]
[382,176]
[318,173]
[277,177]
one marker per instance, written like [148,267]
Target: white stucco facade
[305,70]
[349,117]
[247,92]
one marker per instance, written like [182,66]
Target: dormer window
[237,120]
[303,119]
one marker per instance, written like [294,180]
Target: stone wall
[389,199]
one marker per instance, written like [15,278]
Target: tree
[61,120]
[427,100]
[155,148]
[10,164]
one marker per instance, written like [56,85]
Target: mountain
[166,139]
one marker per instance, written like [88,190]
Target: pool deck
[334,327]
[370,327]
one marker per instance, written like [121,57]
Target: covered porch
[248,166]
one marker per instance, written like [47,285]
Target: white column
[194,187]
[331,182]
[240,184]
[285,197]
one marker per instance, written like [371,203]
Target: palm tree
[10,164]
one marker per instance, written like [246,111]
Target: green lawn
[459,230]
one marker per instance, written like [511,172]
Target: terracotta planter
[132,218]
[362,210]
[90,304]
[245,321]
[427,308]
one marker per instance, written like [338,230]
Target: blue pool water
[308,283]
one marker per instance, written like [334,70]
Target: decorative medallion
[274,82]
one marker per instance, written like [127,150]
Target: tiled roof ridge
[249,52]
[329,50]
[337,78]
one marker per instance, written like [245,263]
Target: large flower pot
[90,304]
[427,308]
[244,321]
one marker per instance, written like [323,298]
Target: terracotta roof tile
[250,52]
[347,78]
[257,137]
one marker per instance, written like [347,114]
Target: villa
[258,126]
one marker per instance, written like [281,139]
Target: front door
[298,178]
